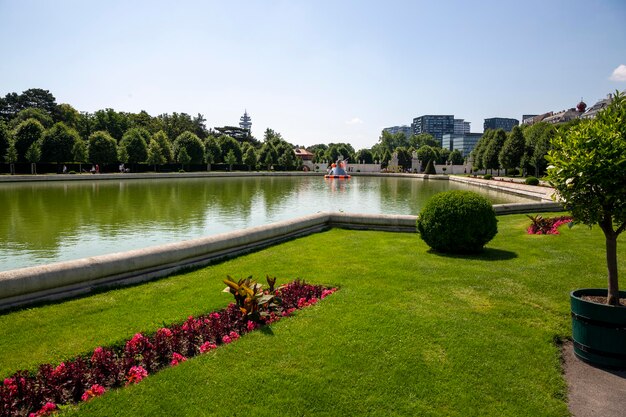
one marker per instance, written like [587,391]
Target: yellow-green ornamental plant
[588,170]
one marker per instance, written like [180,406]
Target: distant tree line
[522,150]
[35,129]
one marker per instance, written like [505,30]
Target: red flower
[226,339]
[177,358]
[234,335]
[136,374]
[46,410]
[59,370]
[206,346]
[164,332]
[95,391]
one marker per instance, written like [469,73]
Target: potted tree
[588,170]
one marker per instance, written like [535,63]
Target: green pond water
[44,222]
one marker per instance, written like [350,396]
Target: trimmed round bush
[531,181]
[457,222]
[487,176]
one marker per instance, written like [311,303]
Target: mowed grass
[410,332]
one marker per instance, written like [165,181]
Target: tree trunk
[611,259]
[208,166]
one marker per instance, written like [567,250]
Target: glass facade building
[435,125]
[496,123]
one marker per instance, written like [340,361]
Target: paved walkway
[593,391]
[542,192]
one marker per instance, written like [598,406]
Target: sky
[316,71]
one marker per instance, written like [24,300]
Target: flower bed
[83,378]
[546,226]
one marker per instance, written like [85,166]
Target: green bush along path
[411,332]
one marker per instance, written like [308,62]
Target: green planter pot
[599,330]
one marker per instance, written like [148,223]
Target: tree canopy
[588,170]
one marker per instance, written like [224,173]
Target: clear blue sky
[316,71]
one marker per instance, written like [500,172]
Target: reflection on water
[54,221]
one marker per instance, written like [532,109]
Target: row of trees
[31,142]
[524,148]
[425,145]
[33,128]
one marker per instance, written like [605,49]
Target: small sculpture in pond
[339,168]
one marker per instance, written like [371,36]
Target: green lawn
[411,332]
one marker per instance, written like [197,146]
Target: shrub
[457,222]
[430,168]
[487,176]
[532,181]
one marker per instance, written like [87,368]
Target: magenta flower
[95,391]
[164,332]
[226,339]
[206,346]
[251,326]
[46,410]
[177,358]
[234,335]
[136,374]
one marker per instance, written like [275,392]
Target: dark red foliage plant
[39,393]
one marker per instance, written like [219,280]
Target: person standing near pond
[97,169]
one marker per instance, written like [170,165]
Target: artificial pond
[51,221]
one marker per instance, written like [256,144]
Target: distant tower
[582,106]
[245,121]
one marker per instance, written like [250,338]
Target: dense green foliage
[102,148]
[25,134]
[588,171]
[192,145]
[531,181]
[457,222]
[5,138]
[58,143]
[513,149]
[454,342]
[430,168]
[135,145]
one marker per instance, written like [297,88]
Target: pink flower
[251,326]
[46,410]
[302,302]
[214,316]
[95,391]
[313,300]
[177,358]
[326,293]
[206,346]
[11,385]
[60,369]
[234,335]
[226,339]
[136,374]
[164,332]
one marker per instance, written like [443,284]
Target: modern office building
[435,125]
[461,127]
[396,129]
[464,143]
[500,123]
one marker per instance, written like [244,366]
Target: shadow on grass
[267,330]
[488,254]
